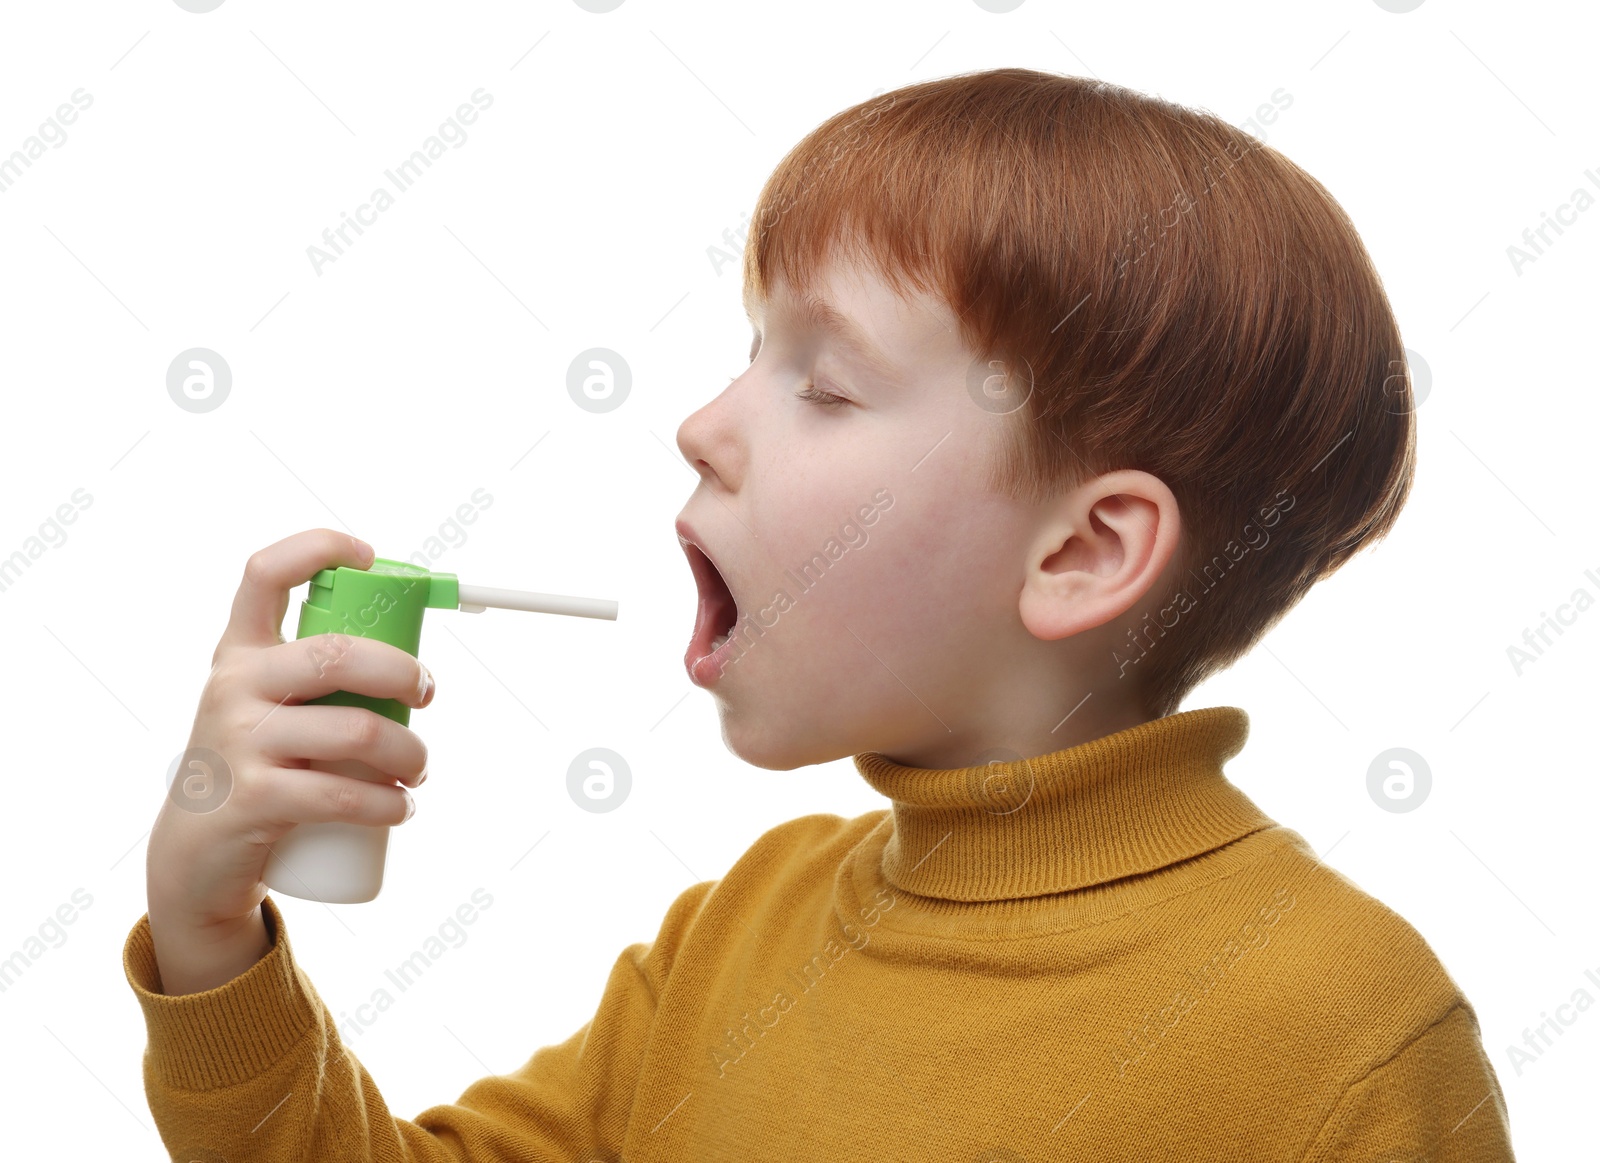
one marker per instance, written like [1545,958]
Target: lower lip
[705,671]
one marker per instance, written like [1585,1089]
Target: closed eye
[810,394]
[822,399]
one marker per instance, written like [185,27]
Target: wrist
[193,957]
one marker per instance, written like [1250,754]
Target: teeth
[717,642]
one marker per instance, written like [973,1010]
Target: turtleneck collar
[1117,806]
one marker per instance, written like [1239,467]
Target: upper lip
[687,535]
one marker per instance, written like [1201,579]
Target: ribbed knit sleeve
[253,1071]
[1437,1099]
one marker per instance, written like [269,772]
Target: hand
[205,858]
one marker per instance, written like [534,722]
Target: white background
[429,359]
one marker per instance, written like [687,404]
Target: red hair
[1187,302]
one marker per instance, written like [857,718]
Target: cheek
[935,568]
[884,598]
[805,506]
[892,575]
[835,567]
[927,555]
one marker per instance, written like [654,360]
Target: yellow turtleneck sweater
[1106,953]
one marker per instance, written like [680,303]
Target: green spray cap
[386,601]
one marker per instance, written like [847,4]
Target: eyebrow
[821,315]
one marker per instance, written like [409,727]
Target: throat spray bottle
[340,863]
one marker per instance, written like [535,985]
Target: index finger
[269,575]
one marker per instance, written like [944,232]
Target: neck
[1013,731]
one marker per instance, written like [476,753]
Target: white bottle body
[336,863]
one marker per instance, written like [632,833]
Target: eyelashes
[822,399]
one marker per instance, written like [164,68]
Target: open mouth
[715,617]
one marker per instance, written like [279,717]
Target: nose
[709,441]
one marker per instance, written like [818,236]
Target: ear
[1100,550]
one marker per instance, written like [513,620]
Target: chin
[784,750]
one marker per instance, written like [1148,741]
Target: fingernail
[423,778]
[427,686]
[411,807]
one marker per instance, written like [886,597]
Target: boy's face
[876,578]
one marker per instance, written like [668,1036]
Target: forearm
[255,1071]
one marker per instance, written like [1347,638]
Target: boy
[1059,397]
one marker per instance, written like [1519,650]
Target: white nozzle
[474,599]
